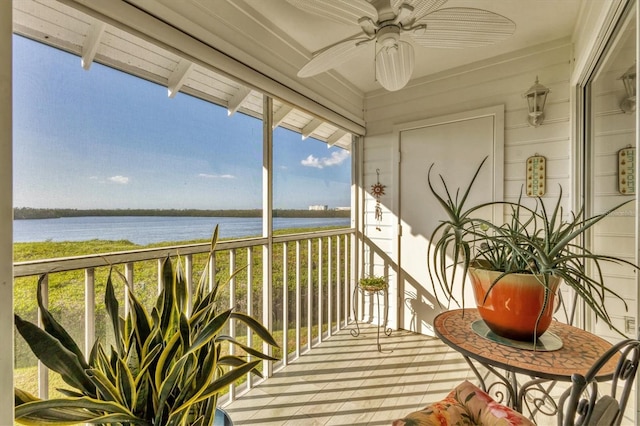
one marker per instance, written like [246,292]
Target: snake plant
[533,240]
[166,367]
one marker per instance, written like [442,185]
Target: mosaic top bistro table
[578,351]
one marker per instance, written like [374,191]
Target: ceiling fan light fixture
[394,65]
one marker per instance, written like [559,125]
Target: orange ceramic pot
[513,306]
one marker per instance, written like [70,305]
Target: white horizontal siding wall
[501,80]
[379,167]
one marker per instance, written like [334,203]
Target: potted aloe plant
[166,367]
[515,267]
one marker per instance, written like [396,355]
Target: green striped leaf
[210,331]
[257,327]
[112,306]
[55,356]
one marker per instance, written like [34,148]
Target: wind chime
[377,190]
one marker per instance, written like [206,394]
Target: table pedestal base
[531,398]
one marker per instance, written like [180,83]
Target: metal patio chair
[588,402]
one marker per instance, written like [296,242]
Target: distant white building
[319,207]
[342,208]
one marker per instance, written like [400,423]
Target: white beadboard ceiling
[277,39]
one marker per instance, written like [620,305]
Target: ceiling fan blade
[459,27]
[333,56]
[420,7]
[343,11]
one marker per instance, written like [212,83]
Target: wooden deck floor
[346,381]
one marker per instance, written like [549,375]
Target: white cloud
[123,180]
[210,176]
[337,158]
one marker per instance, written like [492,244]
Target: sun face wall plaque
[536,176]
[627,171]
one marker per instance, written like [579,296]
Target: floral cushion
[465,405]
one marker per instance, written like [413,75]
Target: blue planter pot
[222,418]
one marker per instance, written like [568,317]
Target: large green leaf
[167,296]
[257,327]
[210,331]
[83,409]
[247,349]
[227,378]
[107,390]
[55,356]
[169,354]
[170,382]
[141,320]
[180,288]
[126,384]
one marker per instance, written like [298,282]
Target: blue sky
[104,139]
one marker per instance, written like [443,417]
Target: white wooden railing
[318,269]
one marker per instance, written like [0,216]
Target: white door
[456,145]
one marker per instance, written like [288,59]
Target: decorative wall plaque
[627,171]
[377,190]
[536,176]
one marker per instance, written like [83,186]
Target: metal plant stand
[377,292]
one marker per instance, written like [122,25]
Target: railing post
[232,304]
[285,306]
[329,286]
[339,299]
[212,272]
[188,272]
[89,310]
[309,294]
[160,275]
[350,283]
[250,378]
[298,301]
[43,372]
[320,292]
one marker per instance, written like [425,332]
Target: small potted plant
[373,283]
[515,267]
[164,368]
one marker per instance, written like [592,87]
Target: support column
[6,216]
[267,225]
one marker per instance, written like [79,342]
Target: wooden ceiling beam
[91,43]
[179,76]
[335,137]
[281,114]
[237,100]
[311,127]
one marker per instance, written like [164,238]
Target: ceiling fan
[391,24]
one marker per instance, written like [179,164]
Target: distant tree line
[33,213]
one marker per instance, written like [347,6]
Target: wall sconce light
[536,98]
[628,104]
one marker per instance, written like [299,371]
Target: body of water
[153,229]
